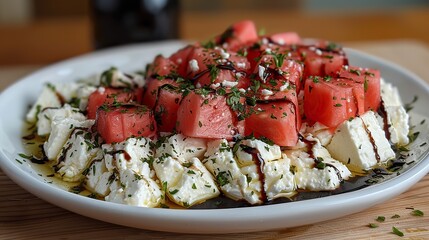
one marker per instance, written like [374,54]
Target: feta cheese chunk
[61,130]
[76,155]
[178,167]
[48,114]
[321,132]
[134,189]
[360,143]
[186,184]
[259,172]
[398,124]
[396,117]
[220,161]
[317,171]
[272,168]
[48,98]
[98,177]
[267,152]
[82,94]
[134,154]
[116,78]
[128,174]
[181,147]
[389,94]
[68,90]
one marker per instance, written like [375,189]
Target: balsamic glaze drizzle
[259,162]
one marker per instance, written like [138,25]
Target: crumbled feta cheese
[67,90]
[186,184]
[239,75]
[98,178]
[135,190]
[267,152]
[214,85]
[220,161]
[264,41]
[47,115]
[101,90]
[226,83]
[277,180]
[266,92]
[134,154]
[398,124]
[323,133]
[241,65]
[75,156]
[48,98]
[284,86]
[128,174]
[240,178]
[397,117]
[223,54]
[60,133]
[261,72]
[178,167]
[311,176]
[118,79]
[193,65]
[182,148]
[82,94]
[121,79]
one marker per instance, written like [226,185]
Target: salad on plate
[242,117]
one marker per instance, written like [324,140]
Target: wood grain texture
[49,40]
[24,216]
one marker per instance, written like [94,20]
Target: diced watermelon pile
[240,83]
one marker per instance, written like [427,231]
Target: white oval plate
[15,100]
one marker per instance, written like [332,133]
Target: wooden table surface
[24,216]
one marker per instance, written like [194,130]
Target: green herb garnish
[417,213]
[397,232]
[380,219]
[373,225]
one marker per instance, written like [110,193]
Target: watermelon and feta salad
[248,117]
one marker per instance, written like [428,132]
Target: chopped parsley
[357,72]
[373,225]
[417,213]
[174,191]
[213,72]
[409,106]
[332,46]
[319,163]
[209,44]
[107,76]
[397,232]
[222,178]
[365,84]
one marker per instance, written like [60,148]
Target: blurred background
[38,32]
